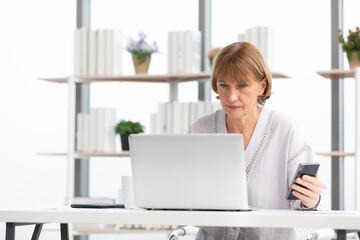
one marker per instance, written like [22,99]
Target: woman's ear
[263,87]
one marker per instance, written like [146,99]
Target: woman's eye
[223,85]
[241,85]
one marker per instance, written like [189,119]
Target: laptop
[189,171]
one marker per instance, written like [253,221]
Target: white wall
[36,40]
[350,22]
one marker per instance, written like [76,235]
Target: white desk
[338,220]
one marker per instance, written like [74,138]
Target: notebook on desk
[190,171]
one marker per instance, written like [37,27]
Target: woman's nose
[232,95]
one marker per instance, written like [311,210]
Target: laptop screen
[189,171]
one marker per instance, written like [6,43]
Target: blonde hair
[238,60]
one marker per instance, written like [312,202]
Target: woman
[273,146]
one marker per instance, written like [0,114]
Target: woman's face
[238,97]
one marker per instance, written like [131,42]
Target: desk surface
[256,218]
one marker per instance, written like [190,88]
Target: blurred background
[37,40]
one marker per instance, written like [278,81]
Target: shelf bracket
[173,91]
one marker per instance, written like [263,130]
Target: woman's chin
[234,113]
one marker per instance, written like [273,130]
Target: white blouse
[272,156]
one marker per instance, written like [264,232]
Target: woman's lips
[232,107]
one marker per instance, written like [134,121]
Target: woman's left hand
[310,195]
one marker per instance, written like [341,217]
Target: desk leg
[64,231]
[10,231]
[37,231]
[341,234]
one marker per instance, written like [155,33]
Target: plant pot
[141,67]
[124,141]
[354,61]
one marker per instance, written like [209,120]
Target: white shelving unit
[354,74]
[171,79]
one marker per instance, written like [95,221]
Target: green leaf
[128,127]
[352,43]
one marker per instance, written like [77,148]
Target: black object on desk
[97,205]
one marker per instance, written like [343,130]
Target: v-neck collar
[256,137]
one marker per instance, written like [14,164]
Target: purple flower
[141,46]
[138,46]
[155,47]
[142,36]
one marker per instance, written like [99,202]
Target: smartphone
[303,169]
[97,205]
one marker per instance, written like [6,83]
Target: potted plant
[351,46]
[212,54]
[141,52]
[125,128]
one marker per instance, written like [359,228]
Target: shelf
[336,154]
[278,75]
[89,154]
[135,78]
[144,78]
[52,154]
[55,80]
[337,73]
